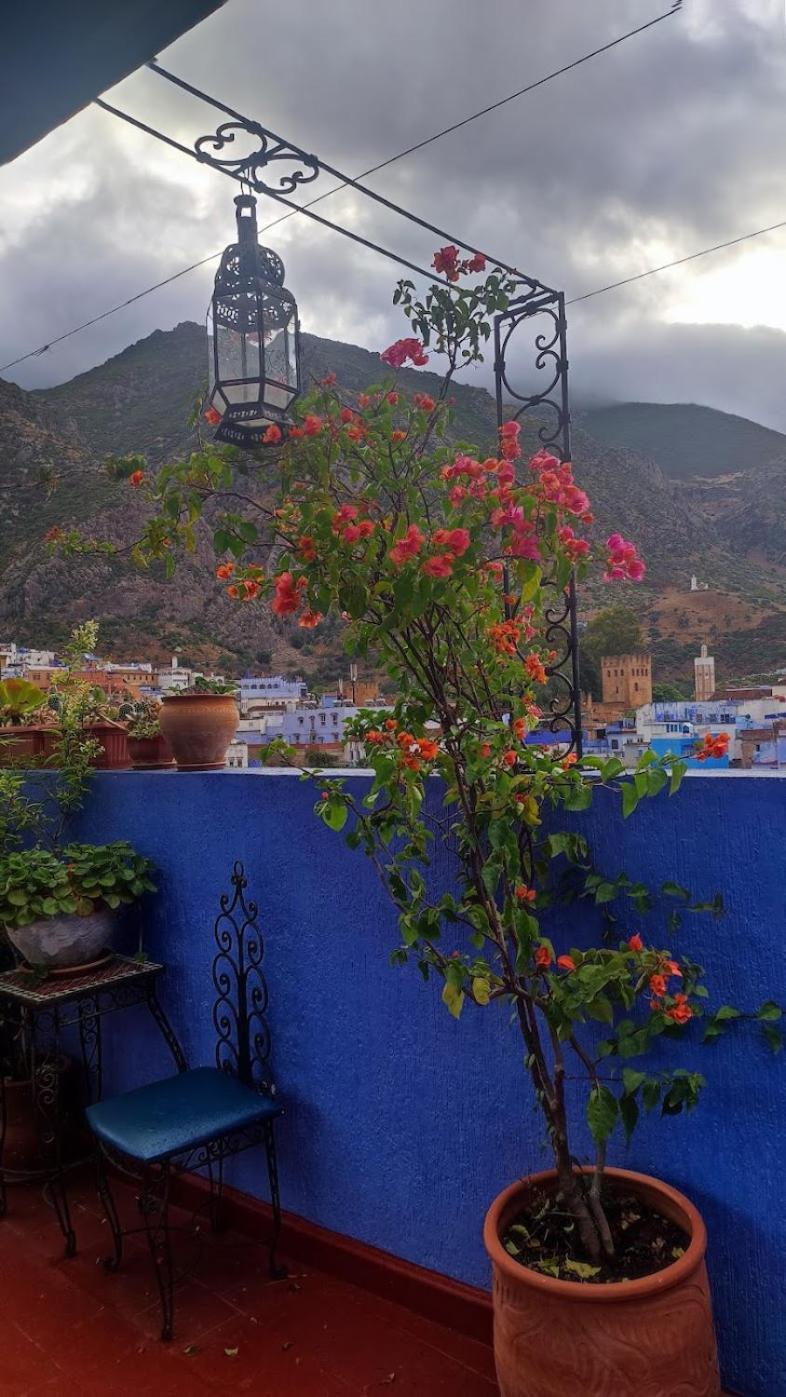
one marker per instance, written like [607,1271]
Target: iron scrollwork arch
[270,151]
[549,398]
[240,1010]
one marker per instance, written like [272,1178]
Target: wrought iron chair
[200,1116]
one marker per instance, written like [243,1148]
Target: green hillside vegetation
[685,439]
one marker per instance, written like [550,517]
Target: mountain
[730,529]
[685,439]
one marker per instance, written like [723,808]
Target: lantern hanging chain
[273,194]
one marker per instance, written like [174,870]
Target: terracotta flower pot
[199,729]
[19,745]
[651,1337]
[150,753]
[113,740]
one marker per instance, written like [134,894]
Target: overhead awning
[57,55]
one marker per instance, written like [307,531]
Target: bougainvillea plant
[443,562]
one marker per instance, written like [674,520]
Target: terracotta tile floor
[71,1330]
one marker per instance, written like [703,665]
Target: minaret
[704,675]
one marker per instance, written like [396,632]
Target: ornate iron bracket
[270,149]
[239,1013]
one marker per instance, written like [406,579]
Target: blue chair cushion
[173,1115]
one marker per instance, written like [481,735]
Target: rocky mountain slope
[143,399]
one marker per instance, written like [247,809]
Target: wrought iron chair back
[240,1009]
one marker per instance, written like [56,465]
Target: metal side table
[41,1010]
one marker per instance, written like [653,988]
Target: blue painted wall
[402,1124]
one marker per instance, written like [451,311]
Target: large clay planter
[150,753]
[651,1337]
[60,943]
[199,729]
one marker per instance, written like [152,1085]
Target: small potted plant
[20,738]
[147,746]
[199,724]
[76,708]
[57,906]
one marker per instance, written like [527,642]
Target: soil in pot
[648,1335]
[543,1237]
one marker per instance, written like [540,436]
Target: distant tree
[669,693]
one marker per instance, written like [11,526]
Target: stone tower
[627,679]
[704,675]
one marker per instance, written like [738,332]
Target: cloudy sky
[668,143]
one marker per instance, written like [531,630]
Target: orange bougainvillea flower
[375,737]
[310,619]
[509,758]
[136,478]
[635,942]
[566,963]
[233,592]
[224,571]
[272,435]
[672,967]
[307,548]
[424,401]
[390,724]
[398,435]
[312,424]
[251,588]
[519,728]
[534,667]
[525,894]
[680,1011]
[392,397]
[212,416]
[429,750]
[542,957]
[485,750]
[657,984]
[568,761]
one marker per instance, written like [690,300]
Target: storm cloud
[667,143]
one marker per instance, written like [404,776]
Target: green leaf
[630,799]
[582,1269]
[453,998]
[334,814]
[675,890]
[678,770]
[773,1036]
[602,1112]
[481,990]
[769,1012]
[632,1080]
[629,1114]
[726,1011]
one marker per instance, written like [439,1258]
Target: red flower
[457,540]
[307,548]
[446,262]
[392,398]
[424,402]
[310,619]
[343,516]
[347,415]
[328,380]
[441,565]
[509,758]
[289,594]
[374,736]
[251,588]
[272,435]
[542,957]
[534,667]
[429,750]
[622,562]
[635,942]
[476,263]
[657,984]
[525,894]
[407,547]
[136,478]
[681,1011]
[312,425]
[397,435]
[397,353]
[225,571]
[566,962]
[233,593]
[485,750]
[212,416]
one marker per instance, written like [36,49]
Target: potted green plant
[57,906]
[147,746]
[199,724]
[20,738]
[452,567]
[75,707]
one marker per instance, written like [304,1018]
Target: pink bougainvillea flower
[397,353]
[407,547]
[441,565]
[289,594]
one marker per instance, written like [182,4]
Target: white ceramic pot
[55,943]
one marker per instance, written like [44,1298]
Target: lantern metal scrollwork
[253,340]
